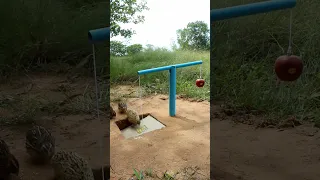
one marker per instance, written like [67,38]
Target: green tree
[134,49]
[174,46]
[117,48]
[123,12]
[150,47]
[194,37]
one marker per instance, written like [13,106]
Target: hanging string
[97,104]
[140,96]
[289,52]
[200,71]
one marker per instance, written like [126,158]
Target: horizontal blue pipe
[250,9]
[163,68]
[147,71]
[99,35]
[188,64]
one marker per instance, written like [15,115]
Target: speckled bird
[40,144]
[122,107]
[68,165]
[133,117]
[8,163]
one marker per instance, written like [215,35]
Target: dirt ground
[183,143]
[73,127]
[65,105]
[263,153]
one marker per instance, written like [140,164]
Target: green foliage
[117,48]
[194,37]
[174,46]
[125,11]
[150,47]
[138,175]
[39,31]
[83,3]
[124,70]
[244,52]
[134,49]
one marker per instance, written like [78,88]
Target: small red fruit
[288,68]
[200,82]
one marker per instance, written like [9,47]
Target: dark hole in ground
[124,123]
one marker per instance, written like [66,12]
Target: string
[97,103]
[200,71]
[289,52]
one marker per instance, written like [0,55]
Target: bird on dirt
[69,165]
[112,113]
[8,163]
[40,144]
[133,117]
[122,107]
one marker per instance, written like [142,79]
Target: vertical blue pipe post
[172,80]
[172,91]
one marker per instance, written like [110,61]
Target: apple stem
[289,52]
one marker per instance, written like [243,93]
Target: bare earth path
[238,149]
[73,128]
[264,154]
[184,142]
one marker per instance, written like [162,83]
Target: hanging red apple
[200,82]
[288,68]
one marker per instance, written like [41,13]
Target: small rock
[163,98]
[169,175]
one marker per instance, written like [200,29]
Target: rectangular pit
[148,123]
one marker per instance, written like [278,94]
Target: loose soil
[183,143]
[238,150]
[73,127]
[263,153]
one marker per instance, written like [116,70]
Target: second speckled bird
[133,117]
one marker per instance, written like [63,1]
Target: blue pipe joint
[164,68]
[250,9]
[99,35]
[172,80]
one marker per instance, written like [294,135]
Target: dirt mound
[44,99]
[263,153]
[184,142]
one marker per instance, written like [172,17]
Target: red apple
[288,68]
[200,82]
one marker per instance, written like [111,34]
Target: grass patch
[191,173]
[123,70]
[244,52]
[37,32]
[20,110]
